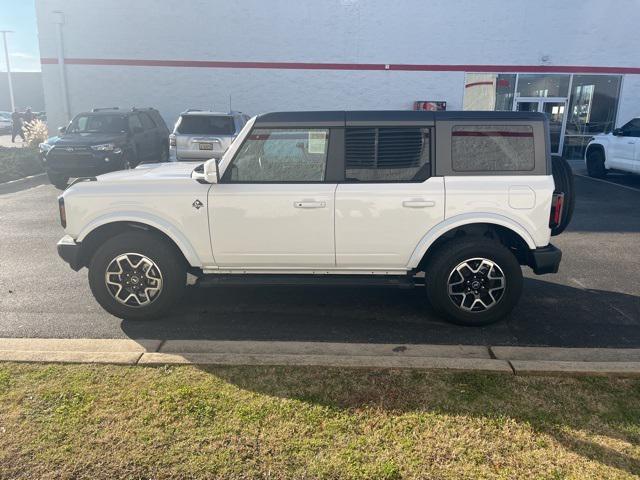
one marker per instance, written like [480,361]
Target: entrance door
[554,109]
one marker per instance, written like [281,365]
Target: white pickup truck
[455,200]
[615,151]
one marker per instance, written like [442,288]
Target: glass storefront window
[592,109]
[543,85]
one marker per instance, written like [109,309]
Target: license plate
[205,146]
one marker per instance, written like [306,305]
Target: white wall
[451,32]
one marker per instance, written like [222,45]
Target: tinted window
[632,128]
[387,154]
[97,124]
[147,122]
[206,125]
[278,155]
[478,148]
[134,123]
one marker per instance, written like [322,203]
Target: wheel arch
[92,236]
[594,147]
[506,231]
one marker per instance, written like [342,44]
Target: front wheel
[58,181]
[473,281]
[595,164]
[137,276]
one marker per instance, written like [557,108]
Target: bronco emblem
[197,204]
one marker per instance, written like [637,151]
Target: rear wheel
[137,276]
[595,163]
[473,281]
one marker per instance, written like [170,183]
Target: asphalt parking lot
[593,302]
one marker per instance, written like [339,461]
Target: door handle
[309,204]
[418,203]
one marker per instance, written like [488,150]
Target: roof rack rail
[138,109]
[104,108]
[193,110]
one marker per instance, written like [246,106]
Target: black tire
[58,181]
[563,179]
[453,253]
[167,260]
[164,154]
[595,163]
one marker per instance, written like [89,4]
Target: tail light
[172,140]
[555,218]
[63,213]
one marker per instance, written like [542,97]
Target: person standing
[16,127]
[28,115]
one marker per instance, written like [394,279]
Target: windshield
[206,125]
[98,124]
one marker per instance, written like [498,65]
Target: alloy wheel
[133,280]
[476,284]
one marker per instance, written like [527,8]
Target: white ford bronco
[456,201]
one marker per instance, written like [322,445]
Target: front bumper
[69,251]
[545,259]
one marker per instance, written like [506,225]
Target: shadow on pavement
[548,314]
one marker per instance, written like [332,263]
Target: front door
[624,152]
[554,109]
[273,208]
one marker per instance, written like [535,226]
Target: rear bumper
[545,259]
[69,251]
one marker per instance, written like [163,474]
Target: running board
[402,281]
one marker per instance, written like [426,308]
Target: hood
[87,139]
[152,172]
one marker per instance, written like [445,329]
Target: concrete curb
[476,358]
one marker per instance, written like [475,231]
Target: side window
[134,123]
[281,155]
[147,122]
[387,154]
[632,128]
[492,148]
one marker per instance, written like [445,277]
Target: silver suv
[201,135]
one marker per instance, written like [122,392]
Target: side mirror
[211,173]
[62,129]
[618,132]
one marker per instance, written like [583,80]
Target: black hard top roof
[384,117]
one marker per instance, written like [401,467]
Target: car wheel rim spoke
[133,280]
[476,285]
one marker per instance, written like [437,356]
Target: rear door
[274,208]
[388,200]
[140,138]
[152,136]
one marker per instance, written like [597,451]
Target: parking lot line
[607,182]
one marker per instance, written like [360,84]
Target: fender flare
[466,219]
[176,236]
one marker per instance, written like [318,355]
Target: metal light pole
[6,56]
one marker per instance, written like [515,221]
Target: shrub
[35,132]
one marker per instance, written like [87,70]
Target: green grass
[100,422]
[18,163]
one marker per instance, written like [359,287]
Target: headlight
[105,147]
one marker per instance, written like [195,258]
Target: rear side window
[387,154]
[481,148]
[147,122]
[281,155]
[206,125]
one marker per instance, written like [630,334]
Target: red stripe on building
[490,134]
[344,66]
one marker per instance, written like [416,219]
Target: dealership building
[575,60]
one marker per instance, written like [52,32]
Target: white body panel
[378,225]
[273,225]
